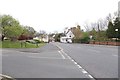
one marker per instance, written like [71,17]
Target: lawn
[17,44]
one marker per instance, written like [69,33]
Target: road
[100,61]
[59,60]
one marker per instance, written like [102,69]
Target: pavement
[59,60]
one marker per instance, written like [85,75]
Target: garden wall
[105,43]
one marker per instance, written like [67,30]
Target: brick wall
[105,43]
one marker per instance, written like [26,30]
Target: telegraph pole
[119,10]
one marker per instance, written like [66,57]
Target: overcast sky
[55,15]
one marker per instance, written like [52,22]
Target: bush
[85,40]
[31,41]
[37,41]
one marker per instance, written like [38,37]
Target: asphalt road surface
[59,60]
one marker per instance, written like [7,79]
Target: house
[70,34]
[44,38]
[68,37]
[51,37]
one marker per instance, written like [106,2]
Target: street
[59,60]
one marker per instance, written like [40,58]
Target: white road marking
[75,63]
[61,54]
[90,76]
[79,66]
[83,70]
[5,76]
[72,60]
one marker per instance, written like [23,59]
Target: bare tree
[87,27]
[111,17]
[94,25]
[102,24]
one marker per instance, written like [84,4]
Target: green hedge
[83,40]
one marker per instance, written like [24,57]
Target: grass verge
[17,44]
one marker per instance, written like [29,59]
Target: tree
[87,27]
[8,20]
[57,36]
[111,30]
[27,33]
[30,30]
[42,34]
[77,32]
[93,33]
[12,32]
[117,26]
[102,24]
[10,27]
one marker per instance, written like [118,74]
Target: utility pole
[99,33]
[119,10]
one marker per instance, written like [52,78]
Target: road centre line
[81,68]
[90,76]
[63,57]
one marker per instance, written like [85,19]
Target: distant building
[68,37]
[71,33]
[44,38]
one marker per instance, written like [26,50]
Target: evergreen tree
[117,26]
[111,30]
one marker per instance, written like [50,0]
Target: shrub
[37,41]
[85,40]
[31,41]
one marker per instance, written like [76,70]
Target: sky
[55,15]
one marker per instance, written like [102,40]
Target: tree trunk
[3,37]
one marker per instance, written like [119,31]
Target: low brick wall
[105,43]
